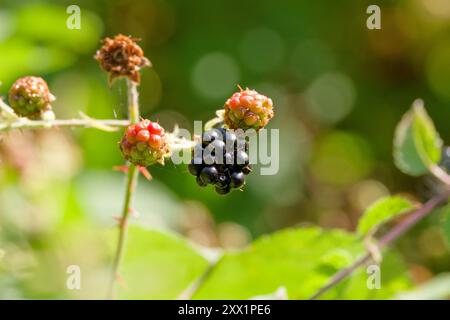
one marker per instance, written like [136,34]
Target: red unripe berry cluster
[248,109]
[144,143]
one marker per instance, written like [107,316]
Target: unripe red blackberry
[30,97]
[223,161]
[122,57]
[247,109]
[144,143]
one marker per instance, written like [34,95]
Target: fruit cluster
[220,159]
[247,109]
[122,57]
[30,97]
[144,143]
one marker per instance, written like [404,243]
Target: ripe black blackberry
[221,159]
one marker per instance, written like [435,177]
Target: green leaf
[394,279]
[158,265]
[382,211]
[300,260]
[417,144]
[446,222]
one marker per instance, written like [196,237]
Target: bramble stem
[388,238]
[12,121]
[133,102]
[132,179]
[131,186]
[23,123]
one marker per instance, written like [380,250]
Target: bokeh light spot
[341,158]
[330,98]
[364,193]
[215,75]
[438,8]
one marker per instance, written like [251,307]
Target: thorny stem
[414,217]
[131,186]
[23,123]
[133,173]
[11,121]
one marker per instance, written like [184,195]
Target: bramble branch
[414,217]
[24,123]
[11,121]
[133,114]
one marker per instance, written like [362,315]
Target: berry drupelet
[247,109]
[144,143]
[30,97]
[221,160]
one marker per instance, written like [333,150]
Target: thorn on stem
[123,169]
[119,220]
[121,281]
[134,213]
[144,171]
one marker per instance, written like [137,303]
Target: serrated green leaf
[294,259]
[382,211]
[417,144]
[158,265]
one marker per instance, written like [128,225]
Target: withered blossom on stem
[122,57]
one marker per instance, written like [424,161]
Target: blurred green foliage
[302,260]
[339,89]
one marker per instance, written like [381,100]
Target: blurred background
[338,88]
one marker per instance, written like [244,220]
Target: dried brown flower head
[122,57]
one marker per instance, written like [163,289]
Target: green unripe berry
[30,97]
